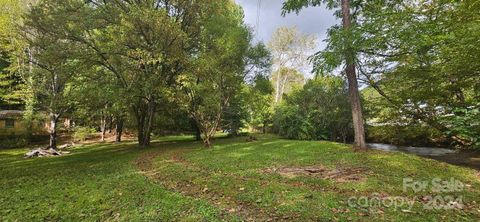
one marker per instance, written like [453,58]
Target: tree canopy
[158,65]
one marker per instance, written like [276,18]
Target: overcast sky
[310,20]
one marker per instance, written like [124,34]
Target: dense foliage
[13,93]
[318,111]
[420,57]
[117,62]
[163,67]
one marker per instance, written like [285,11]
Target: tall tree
[144,44]
[284,80]
[354,95]
[290,51]
[217,73]
[53,60]
[349,58]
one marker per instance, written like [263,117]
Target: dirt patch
[144,162]
[341,174]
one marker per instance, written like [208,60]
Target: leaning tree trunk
[206,131]
[207,137]
[53,130]
[354,95]
[207,142]
[209,130]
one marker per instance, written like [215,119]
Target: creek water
[466,158]
[421,151]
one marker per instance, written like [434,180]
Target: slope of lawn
[257,181]
[268,179]
[94,183]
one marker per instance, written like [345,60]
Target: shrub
[465,125]
[318,111]
[83,133]
[290,123]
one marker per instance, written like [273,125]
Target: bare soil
[340,174]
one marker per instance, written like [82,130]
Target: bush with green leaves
[235,114]
[318,111]
[260,99]
[464,123]
[82,133]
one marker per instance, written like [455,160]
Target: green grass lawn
[269,179]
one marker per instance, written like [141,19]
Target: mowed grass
[95,183]
[240,177]
[179,180]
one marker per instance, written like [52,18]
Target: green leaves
[297,5]
[420,57]
[212,84]
[318,111]
[465,124]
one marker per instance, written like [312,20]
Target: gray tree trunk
[354,95]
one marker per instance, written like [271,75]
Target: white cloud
[312,20]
